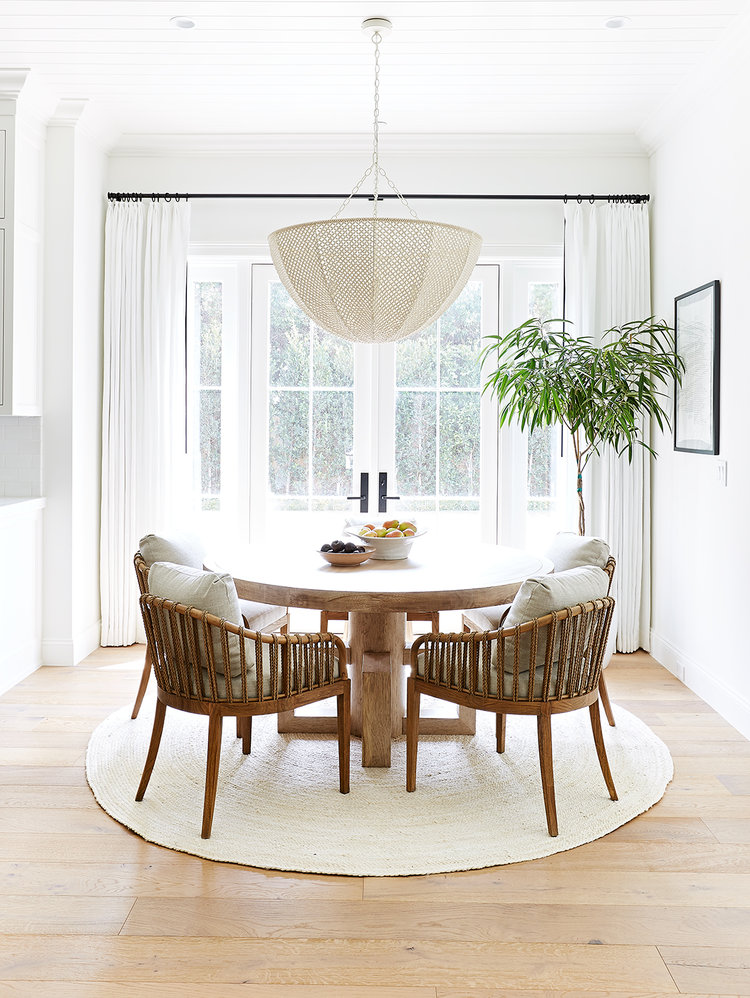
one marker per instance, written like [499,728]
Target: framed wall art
[696,400]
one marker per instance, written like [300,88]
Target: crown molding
[727,59]
[320,144]
[12,82]
[68,113]
[83,116]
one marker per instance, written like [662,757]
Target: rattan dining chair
[207,665]
[546,666]
[567,550]
[257,616]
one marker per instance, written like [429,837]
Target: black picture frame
[696,400]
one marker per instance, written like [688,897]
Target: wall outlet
[721,472]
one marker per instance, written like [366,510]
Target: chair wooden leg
[544,736]
[500,720]
[153,748]
[343,723]
[604,697]
[596,727]
[145,676]
[238,721]
[245,732]
[212,772]
[412,734]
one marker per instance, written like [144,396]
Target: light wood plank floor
[88,910]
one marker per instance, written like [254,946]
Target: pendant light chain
[374,279]
[376,40]
[375,169]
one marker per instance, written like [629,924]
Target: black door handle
[364,492]
[382,489]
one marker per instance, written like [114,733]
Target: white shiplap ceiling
[297,66]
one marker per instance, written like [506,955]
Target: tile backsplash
[20,456]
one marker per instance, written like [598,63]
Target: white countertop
[20,504]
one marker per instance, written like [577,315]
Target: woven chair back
[553,658]
[184,640]
[141,572]
[609,568]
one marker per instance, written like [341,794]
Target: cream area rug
[279,807]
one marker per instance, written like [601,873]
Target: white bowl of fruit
[391,539]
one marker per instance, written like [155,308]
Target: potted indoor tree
[604,394]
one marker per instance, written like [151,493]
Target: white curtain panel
[143,419]
[608,283]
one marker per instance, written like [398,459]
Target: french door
[292,431]
[343,431]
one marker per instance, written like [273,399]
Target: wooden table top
[437,575]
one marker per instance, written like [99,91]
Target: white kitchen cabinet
[21,199]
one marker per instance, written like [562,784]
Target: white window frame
[228,273]
[517,275]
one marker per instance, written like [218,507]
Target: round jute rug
[279,808]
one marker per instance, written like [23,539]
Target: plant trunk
[579,485]
[581,507]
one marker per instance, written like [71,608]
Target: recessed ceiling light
[182,22]
[616,22]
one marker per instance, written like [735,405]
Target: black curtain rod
[580,198]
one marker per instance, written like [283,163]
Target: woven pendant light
[374,279]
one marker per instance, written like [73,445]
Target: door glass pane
[288,448]
[209,295]
[459,450]
[333,360]
[311,413]
[210,448]
[437,426]
[417,359]
[289,336]
[416,450]
[546,475]
[205,391]
[460,335]
[332,444]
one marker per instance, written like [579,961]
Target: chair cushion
[569,550]
[537,597]
[543,594]
[258,616]
[180,549]
[486,618]
[214,592]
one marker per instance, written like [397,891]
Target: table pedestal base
[377,653]
[376,641]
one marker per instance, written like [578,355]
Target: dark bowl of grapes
[345,553]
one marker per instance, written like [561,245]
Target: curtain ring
[565,198]
[592,199]
[579,199]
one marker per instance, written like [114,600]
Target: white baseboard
[725,701]
[71,652]
[18,666]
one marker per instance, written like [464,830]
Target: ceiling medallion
[374,279]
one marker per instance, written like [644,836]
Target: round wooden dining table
[437,575]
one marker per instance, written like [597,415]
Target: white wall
[20,590]
[446,164]
[20,456]
[72,387]
[701,538]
